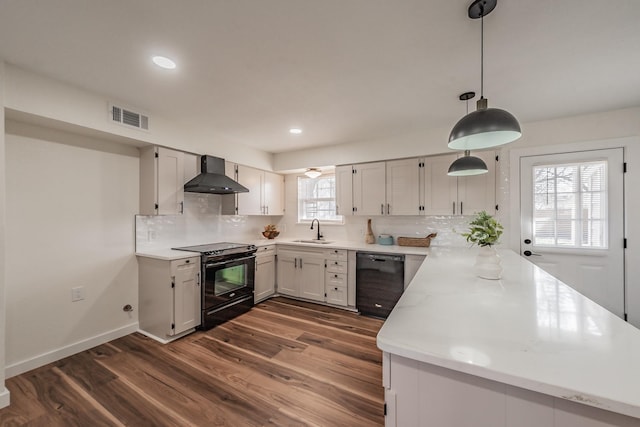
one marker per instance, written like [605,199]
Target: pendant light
[313,173]
[468,164]
[485,127]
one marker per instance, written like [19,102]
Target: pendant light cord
[482,54]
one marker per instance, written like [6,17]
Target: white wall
[42,97]
[4,393]
[71,202]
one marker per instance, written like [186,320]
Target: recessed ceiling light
[164,62]
[295,131]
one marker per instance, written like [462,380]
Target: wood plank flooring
[284,363]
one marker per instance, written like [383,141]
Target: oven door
[227,280]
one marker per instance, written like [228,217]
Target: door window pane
[570,205]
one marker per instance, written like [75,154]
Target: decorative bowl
[270,234]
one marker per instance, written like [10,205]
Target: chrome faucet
[316,220]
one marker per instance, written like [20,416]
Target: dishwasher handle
[380,257]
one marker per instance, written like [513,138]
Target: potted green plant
[485,231]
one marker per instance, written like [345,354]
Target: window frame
[339,220]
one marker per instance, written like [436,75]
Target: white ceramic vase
[488,263]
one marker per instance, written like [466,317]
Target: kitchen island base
[422,394]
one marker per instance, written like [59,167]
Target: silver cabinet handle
[461,211]
[295,263]
[454,208]
[337,210]
[181,207]
[388,209]
[300,262]
[381,208]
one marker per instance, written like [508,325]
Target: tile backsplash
[202,223]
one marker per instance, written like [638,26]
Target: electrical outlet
[77,294]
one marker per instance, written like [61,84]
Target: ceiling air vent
[129,118]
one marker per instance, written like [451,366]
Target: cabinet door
[369,189]
[440,189]
[273,194]
[170,181]
[186,302]
[478,192]
[311,273]
[286,274]
[344,190]
[250,203]
[403,187]
[265,279]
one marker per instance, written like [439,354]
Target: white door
[369,189]
[440,191]
[170,181]
[478,192]
[187,296]
[572,221]
[344,190]
[403,187]
[250,203]
[273,194]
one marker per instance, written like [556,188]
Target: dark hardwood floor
[285,363]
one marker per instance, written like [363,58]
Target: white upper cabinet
[273,194]
[478,192]
[369,185]
[161,181]
[250,203]
[344,190]
[440,191]
[416,186]
[403,187]
[447,195]
[265,196]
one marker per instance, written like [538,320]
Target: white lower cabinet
[265,277]
[301,273]
[421,394]
[169,296]
[313,274]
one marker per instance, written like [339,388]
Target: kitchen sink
[317,242]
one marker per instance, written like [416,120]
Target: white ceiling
[343,70]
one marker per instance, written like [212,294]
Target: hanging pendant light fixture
[485,127]
[313,173]
[468,164]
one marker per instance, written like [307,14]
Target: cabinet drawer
[336,295]
[334,266]
[266,250]
[336,279]
[336,254]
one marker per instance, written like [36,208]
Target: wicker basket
[422,242]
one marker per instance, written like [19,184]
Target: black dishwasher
[379,282]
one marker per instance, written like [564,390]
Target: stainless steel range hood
[212,179]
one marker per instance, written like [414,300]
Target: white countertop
[170,254]
[528,330]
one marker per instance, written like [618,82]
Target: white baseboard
[165,341]
[60,353]
[4,398]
